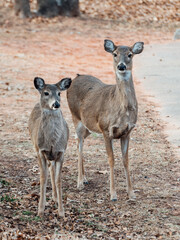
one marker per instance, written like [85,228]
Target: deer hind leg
[124,149]
[58,182]
[109,149]
[82,133]
[43,183]
[52,173]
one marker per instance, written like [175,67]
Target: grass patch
[29,218]
[4,182]
[7,198]
[27,213]
[95,135]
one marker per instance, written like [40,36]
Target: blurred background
[160,13]
[54,39]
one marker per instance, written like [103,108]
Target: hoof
[40,214]
[80,186]
[114,200]
[85,181]
[54,199]
[114,197]
[61,213]
[132,196]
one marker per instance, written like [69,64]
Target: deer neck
[51,121]
[47,115]
[51,126]
[125,89]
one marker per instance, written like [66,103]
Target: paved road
[158,69]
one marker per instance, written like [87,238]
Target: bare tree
[69,8]
[22,7]
[49,8]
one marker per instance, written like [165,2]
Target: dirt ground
[61,48]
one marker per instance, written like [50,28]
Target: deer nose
[56,105]
[121,67]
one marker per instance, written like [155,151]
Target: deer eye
[58,93]
[129,55]
[46,93]
[114,54]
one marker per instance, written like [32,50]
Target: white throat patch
[123,76]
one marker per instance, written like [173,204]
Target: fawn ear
[109,46]
[64,83]
[39,83]
[138,47]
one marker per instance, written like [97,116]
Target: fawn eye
[129,55]
[46,93]
[58,93]
[114,54]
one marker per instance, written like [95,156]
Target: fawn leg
[58,182]
[52,173]
[43,183]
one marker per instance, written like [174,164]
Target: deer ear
[39,83]
[109,46]
[138,47]
[64,83]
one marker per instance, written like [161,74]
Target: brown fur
[107,109]
[49,133]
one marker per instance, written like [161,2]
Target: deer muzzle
[121,67]
[56,105]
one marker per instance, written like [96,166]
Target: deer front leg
[124,149]
[43,183]
[52,173]
[58,183]
[109,149]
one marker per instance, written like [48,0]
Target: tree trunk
[22,7]
[47,8]
[51,8]
[69,8]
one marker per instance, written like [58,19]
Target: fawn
[49,133]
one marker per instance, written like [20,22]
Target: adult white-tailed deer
[107,109]
[49,133]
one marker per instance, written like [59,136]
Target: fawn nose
[121,67]
[56,105]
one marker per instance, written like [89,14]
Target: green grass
[4,182]
[29,218]
[27,213]
[95,135]
[94,225]
[7,198]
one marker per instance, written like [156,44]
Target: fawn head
[50,93]
[122,55]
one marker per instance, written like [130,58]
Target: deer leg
[82,133]
[52,173]
[109,149]
[124,149]
[80,182]
[43,183]
[58,183]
